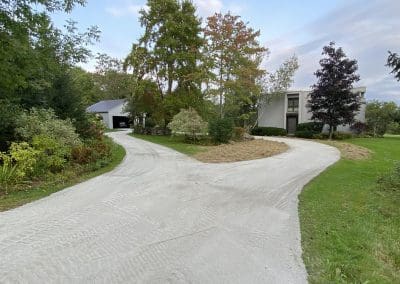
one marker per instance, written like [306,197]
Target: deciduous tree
[332,100]
[169,54]
[393,62]
[379,115]
[234,55]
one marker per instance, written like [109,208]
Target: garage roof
[105,106]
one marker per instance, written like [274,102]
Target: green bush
[221,130]
[268,131]
[189,123]
[335,136]
[101,154]
[44,122]
[391,181]
[90,127]
[393,128]
[315,127]
[53,155]
[309,134]
[17,164]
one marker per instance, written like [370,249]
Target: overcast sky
[365,29]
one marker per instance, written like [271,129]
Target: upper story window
[293,105]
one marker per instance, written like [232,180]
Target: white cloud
[365,30]
[125,9]
[208,7]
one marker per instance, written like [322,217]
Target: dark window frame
[293,104]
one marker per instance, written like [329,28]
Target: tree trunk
[221,91]
[330,132]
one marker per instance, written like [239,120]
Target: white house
[113,113]
[289,110]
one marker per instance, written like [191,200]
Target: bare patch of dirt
[350,151]
[241,151]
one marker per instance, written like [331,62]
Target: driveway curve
[163,217]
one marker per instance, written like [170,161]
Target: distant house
[289,110]
[112,112]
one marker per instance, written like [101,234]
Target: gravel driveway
[163,217]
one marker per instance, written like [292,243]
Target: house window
[293,105]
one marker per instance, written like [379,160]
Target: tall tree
[393,62]
[234,56]
[111,78]
[173,42]
[35,54]
[169,54]
[332,100]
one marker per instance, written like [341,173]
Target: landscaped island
[224,153]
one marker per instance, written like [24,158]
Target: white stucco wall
[273,114]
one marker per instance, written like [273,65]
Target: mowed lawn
[174,142]
[351,229]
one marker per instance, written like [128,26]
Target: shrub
[53,155]
[188,122]
[268,131]
[305,134]
[393,128]
[335,136]
[315,127]
[101,154]
[44,122]
[221,130]
[238,133]
[82,154]
[391,181]
[18,163]
[91,127]
[358,127]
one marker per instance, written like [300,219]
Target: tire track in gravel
[163,217]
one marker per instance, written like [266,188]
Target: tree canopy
[332,100]
[393,62]
[234,55]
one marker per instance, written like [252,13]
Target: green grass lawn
[68,178]
[174,142]
[351,229]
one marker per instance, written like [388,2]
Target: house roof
[105,106]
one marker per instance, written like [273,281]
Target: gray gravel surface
[161,217]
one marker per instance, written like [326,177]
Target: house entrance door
[291,124]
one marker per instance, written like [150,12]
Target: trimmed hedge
[221,129]
[309,129]
[268,131]
[315,127]
[304,134]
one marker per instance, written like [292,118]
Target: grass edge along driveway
[350,229]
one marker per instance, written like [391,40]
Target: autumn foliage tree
[332,100]
[234,55]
